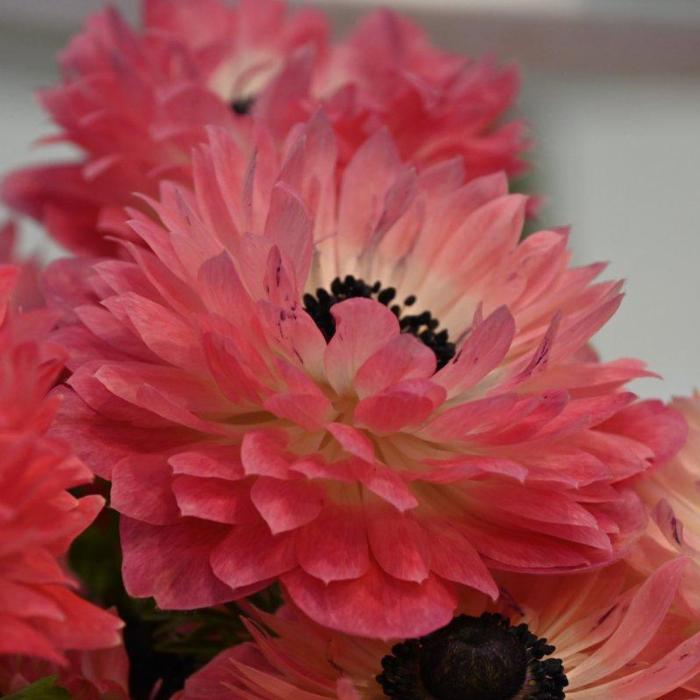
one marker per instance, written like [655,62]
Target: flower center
[474,658]
[243,105]
[421,325]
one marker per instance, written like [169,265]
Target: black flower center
[243,105]
[421,325]
[474,658]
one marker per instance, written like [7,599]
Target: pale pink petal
[403,357]
[454,558]
[262,454]
[484,347]
[408,403]
[362,327]
[646,612]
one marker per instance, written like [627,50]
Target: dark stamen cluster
[421,325]
[243,105]
[471,658]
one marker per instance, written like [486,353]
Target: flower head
[372,392]
[135,102]
[40,616]
[601,635]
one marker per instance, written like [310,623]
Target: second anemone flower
[596,636]
[372,391]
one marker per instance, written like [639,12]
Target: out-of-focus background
[611,89]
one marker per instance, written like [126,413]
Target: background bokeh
[611,89]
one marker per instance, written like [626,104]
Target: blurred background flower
[611,89]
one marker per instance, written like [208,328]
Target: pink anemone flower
[672,496]
[372,392]
[596,636]
[40,616]
[136,101]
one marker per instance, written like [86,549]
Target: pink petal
[489,234]
[484,348]
[289,227]
[385,483]
[250,555]
[30,600]
[160,329]
[671,672]
[334,546]
[353,441]
[154,564]
[406,404]
[21,638]
[101,442]
[214,499]
[456,423]
[458,206]
[454,558]
[85,626]
[375,605]
[471,467]
[527,419]
[141,489]
[524,551]
[403,357]
[221,288]
[222,462]
[640,623]
[263,454]
[287,505]
[536,504]
[652,423]
[399,544]
[363,326]
[365,183]
[309,411]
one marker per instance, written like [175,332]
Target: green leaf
[44,689]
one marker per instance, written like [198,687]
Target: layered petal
[269,375]
[41,616]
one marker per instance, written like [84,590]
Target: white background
[612,92]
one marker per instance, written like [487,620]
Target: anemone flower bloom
[672,496]
[271,392]
[596,636]
[136,118]
[203,62]
[40,616]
